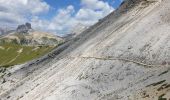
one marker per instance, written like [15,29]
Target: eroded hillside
[125,56]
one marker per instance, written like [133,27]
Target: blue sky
[58,4]
[56,16]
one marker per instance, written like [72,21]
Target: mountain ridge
[84,68]
[26,35]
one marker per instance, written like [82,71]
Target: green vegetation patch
[13,54]
[161,97]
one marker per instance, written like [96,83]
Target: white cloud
[18,11]
[95,4]
[38,7]
[21,11]
[90,12]
[93,10]
[61,23]
[39,24]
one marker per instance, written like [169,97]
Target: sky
[56,16]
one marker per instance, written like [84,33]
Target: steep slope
[124,56]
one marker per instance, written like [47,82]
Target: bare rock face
[28,25]
[23,28]
[125,56]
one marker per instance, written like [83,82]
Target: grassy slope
[10,55]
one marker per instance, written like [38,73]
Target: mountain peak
[24,35]
[24,28]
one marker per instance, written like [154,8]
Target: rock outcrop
[28,25]
[24,28]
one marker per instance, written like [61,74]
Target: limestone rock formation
[28,25]
[24,28]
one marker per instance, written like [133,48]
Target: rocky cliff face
[125,56]
[23,28]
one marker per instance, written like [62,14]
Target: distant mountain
[26,35]
[5,31]
[24,28]
[1,31]
[79,28]
[23,44]
[76,30]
